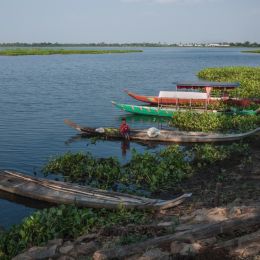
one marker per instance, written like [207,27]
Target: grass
[38,51]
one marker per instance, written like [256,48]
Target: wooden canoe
[67,193]
[167,136]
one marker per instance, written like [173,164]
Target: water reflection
[125,146]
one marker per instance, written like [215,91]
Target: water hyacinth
[214,122]
[148,172]
[249,78]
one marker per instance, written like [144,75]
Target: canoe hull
[66,193]
[146,110]
[154,100]
[165,136]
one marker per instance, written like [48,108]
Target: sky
[165,21]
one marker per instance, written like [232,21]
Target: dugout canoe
[167,136]
[67,193]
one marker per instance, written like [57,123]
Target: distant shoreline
[43,51]
[132,45]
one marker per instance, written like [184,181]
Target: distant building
[217,45]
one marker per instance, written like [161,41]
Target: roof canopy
[215,85]
[182,95]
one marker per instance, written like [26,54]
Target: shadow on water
[31,203]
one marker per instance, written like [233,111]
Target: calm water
[38,92]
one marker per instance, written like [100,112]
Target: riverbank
[43,51]
[222,194]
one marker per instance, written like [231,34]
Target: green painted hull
[146,110]
[169,112]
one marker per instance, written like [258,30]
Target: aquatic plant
[65,222]
[214,122]
[147,172]
[249,78]
[252,51]
[209,154]
[158,171]
[84,168]
[43,51]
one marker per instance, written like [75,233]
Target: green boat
[169,112]
[146,110]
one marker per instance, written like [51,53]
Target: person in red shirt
[124,129]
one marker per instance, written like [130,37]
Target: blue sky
[75,21]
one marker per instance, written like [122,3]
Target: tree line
[137,44]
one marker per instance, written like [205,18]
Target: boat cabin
[208,87]
[203,95]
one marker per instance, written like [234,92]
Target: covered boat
[181,97]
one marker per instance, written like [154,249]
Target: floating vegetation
[249,78]
[214,122]
[252,51]
[147,172]
[38,51]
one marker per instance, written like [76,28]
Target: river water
[38,92]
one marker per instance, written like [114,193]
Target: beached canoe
[67,193]
[167,136]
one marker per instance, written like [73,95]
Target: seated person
[124,129]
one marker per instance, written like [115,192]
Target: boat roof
[182,95]
[216,85]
